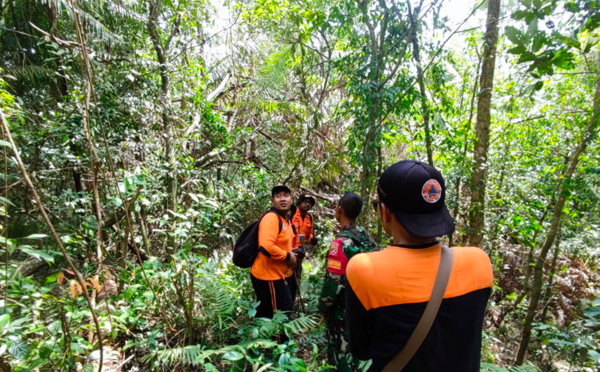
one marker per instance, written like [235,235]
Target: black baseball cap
[416,193]
[304,197]
[279,188]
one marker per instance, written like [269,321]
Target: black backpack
[246,246]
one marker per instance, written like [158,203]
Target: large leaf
[233,355]
[513,34]
[37,253]
[18,348]
[4,320]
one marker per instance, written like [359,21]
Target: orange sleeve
[268,231]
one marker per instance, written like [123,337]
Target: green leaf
[572,7]
[520,14]
[36,236]
[51,278]
[519,49]
[5,143]
[18,348]
[538,42]
[538,86]
[513,34]
[37,253]
[233,355]
[564,60]
[527,57]
[46,349]
[4,320]
[595,355]
[88,368]
[571,42]
[4,200]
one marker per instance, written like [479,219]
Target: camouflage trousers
[338,349]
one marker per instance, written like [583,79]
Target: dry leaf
[96,284]
[75,289]
[61,278]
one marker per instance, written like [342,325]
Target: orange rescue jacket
[275,248]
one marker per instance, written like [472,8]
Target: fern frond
[488,367]
[302,323]
[187,355]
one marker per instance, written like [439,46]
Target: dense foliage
[153,130]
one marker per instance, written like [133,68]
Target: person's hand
[300,254]
[314,241]
[292,260]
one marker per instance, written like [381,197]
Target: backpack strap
[261,249]
[420,332]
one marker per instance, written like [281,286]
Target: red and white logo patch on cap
[431,191]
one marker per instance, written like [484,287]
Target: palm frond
[92,24]
[115,9]
[96,28]
[274,72]
[31,73]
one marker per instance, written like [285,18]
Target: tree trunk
[538,274]
[161,54]
[482,141]
[459,183]
[424,105]
[547,298]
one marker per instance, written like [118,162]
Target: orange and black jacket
[304,225]
[387,294]
[275,248]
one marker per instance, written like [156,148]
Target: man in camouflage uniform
[351,239]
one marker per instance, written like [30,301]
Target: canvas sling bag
[431,310]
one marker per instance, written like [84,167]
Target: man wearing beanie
[388,290]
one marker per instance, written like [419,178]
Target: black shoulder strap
[278,218]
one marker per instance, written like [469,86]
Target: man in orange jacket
[388,290]
[271,271]
[304,220]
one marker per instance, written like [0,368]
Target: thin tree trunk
[465,146]
[54,234]
[161,54]
[554,225]
[547,298]
[482,141]
[424,104]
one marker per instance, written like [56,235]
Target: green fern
[302,324]
[488,367]
[188,355]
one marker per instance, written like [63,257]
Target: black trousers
[274,294]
